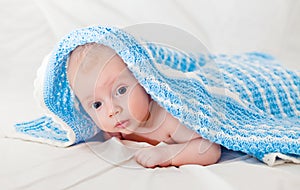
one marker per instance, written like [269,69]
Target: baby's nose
[115,110]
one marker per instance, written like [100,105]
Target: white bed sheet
[26,165]
[29,30]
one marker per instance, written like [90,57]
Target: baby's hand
[151,157]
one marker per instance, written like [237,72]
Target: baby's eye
[122,90]
[96,105]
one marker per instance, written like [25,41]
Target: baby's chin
[126,132]
[129,130]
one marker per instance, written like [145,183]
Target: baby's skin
[120,106]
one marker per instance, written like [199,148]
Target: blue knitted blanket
[246,102]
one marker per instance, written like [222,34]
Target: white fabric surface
[29,30]
[26,165]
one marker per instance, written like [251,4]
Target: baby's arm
[189,148]
[197,151]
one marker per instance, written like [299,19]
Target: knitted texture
[246,102]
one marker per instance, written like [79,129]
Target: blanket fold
[246,102]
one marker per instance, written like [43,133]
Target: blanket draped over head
[246,102]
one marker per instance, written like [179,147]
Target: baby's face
[107,89]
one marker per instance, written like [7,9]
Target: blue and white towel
[245,102]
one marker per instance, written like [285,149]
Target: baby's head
[107,89]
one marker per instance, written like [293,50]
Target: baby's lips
[122,124]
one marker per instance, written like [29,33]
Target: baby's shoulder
[178,131]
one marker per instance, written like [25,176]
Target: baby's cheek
[138,104]
[100,121]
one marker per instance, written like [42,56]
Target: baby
[120,106]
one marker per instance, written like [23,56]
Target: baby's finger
[137,155]
[150,163]
[141,157]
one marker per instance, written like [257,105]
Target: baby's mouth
[122,124]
